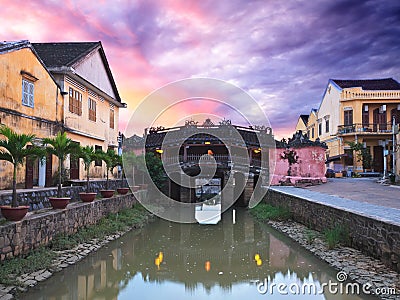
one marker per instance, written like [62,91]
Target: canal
[167,260]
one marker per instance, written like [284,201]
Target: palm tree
[15,150]
[88,156]
[111,159]
[60,146]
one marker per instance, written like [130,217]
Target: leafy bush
[264,212]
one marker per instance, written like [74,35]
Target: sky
[280,52]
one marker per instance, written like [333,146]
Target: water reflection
[167,260]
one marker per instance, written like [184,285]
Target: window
[365,115]
[27,93]
[320,129]
[98,162]
[312,132]
[327,126]
[75,102]
[112,118]
[348,117]
[92,110]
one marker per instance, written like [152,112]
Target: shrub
[337,235]
[264,212]
[310,235]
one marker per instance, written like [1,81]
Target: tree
[111,160]
[15,151]
[155,169]
[133,163]
[60,146]
[88,156]
[292,158]
[363,154]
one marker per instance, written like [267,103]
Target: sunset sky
[281,52]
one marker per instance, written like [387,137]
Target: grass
[336,235]
[263,212]
[42,257]
[310,235]
[38,259]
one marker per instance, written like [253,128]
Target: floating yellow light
[259,262]
[256,257]
[157,262]
[207,143]
[159,151]
[161,257]
[207,266]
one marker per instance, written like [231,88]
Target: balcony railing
[220,159]
[375,128]
[349,95]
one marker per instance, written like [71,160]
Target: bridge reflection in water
[167,260]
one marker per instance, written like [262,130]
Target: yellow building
[359,111]
[312,132]
[30,102]
[302,123]
[92,102]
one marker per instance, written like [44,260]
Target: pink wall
[311,164]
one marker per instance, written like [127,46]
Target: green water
[197,262]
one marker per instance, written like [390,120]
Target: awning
[336,157]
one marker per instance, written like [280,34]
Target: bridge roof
[216,134]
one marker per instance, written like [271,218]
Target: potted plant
[88,156]
[60,146]
[111,160]
[14,150]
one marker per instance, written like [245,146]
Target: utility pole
[393,146]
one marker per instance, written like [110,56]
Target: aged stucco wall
[311,164]
[42,118]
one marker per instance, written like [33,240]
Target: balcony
[360,94]
[366,129]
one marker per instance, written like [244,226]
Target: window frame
[346,119]
[112,118]
[30,94]
[75,101]
[92,110]
[327,125]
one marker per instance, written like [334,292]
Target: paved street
[362,196]
[361,189]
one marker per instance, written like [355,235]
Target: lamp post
[393,146]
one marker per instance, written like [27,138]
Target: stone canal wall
[39,228]
[39,198]
[373,237]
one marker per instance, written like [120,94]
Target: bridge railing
[221,159]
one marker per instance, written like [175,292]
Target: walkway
[361,189]
[378,212]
